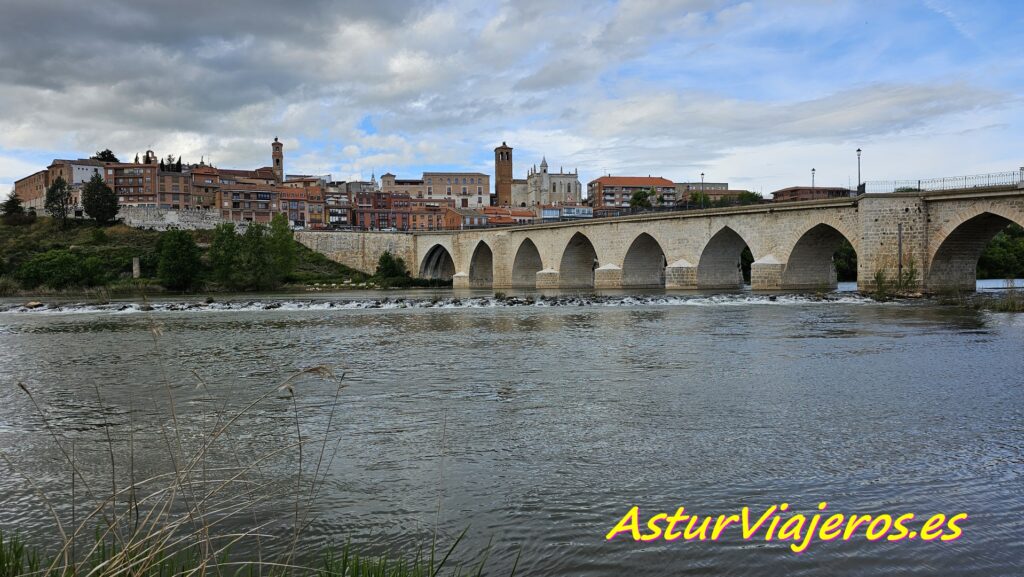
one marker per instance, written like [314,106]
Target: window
[463,189]
[448,191]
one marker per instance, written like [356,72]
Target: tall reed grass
[190,519]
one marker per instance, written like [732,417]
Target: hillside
[106,254]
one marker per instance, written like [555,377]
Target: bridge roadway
[937,236]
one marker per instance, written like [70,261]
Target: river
[537,426]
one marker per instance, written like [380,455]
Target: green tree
[281,243]
[391,267]
[58,201]
[178,264]
[642,198]
[1003,257]
[99,201]
[699,199]
[11,211]
[60,269]
[746,197]
[255,265]
[224,254]
[845,260]
[105,155]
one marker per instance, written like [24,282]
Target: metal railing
[1010,178]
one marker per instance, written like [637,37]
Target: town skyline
[747,96]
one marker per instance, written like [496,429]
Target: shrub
[98,236]
[13,212]
[281,245]
[60,269]
[255,265]
[223,253]
[178,267]
[8,286]
[391,267]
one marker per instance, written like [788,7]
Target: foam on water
[439,303]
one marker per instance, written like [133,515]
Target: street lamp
[702,190]
[812,184]
[858,170]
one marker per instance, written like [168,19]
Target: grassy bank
[18,559]
[98,261]
[1009,300]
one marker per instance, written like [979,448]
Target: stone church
[539,188]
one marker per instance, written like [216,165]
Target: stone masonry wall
[164,219]
[361,250]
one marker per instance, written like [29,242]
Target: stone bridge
[935,238]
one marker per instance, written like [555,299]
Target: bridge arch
[579,259]
[720,265]
[526,265]
[437,264]
[644,263]
[954,262]
[810,264]
[481,266]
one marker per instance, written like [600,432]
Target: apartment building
[616,191]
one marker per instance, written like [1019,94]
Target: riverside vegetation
[37,257]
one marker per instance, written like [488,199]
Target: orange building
[134,183]
[32,189]
[463,218]
[505,216]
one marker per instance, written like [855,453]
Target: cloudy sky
[753,93]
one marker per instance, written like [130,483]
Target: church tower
[278,157]
[503,175]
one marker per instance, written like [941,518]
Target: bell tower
[503,175]
[277,155]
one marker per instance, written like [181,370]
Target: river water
[537,426]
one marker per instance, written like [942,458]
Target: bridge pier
[608,276]
[548,279]
[681,275]
[766,274]
[460,280]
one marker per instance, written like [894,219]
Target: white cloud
[642,86]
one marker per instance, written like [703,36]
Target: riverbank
[85,259]
[19,559]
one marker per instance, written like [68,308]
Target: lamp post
[702,190]
[813,193]
[858,169]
